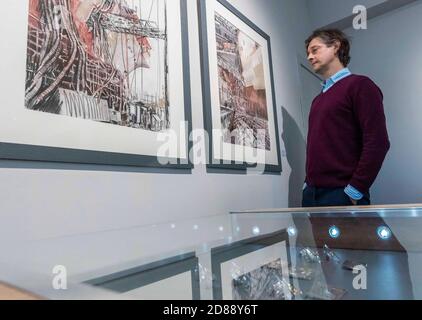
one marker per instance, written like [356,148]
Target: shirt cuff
[304,186]
[353,193]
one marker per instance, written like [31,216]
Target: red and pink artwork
[100,60]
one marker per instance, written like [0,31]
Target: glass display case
[293,254]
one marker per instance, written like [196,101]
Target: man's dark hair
[329,37]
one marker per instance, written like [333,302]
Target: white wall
[390,53]
[50,200]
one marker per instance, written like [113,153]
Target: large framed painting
[95,81]
[238,90]
[174,278]
[253,269]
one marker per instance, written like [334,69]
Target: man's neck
[332,70]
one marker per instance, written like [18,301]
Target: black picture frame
[39,153]
[214,163]
[138,277]
[229,252]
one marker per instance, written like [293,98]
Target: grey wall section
[389,53]
[339,13]
[40,200]
[326,12]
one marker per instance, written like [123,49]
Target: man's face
[320,56]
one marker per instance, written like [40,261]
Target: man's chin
[315,67]
[318,69]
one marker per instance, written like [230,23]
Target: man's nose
[310,57]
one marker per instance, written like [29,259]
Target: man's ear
[336,46]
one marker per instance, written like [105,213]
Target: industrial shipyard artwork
[242,91]
[100,60]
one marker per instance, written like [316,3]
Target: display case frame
[158,271]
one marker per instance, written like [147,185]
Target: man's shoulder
[359,82]
[358,79]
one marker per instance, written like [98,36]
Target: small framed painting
[253,269]
[238,90]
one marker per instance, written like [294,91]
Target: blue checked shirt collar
[327,84]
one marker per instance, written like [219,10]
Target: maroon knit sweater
[347,140]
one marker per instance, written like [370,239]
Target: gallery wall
[394,64]
[47,200]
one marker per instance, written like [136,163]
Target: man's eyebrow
[315,46]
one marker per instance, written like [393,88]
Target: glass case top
[315,253]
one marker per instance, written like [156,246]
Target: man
[347,139]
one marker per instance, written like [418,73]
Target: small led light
[334,232]
[384,233]
[237,229]
[173,226]
[256,231]
[195,227]
[292,231]
[221,228]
